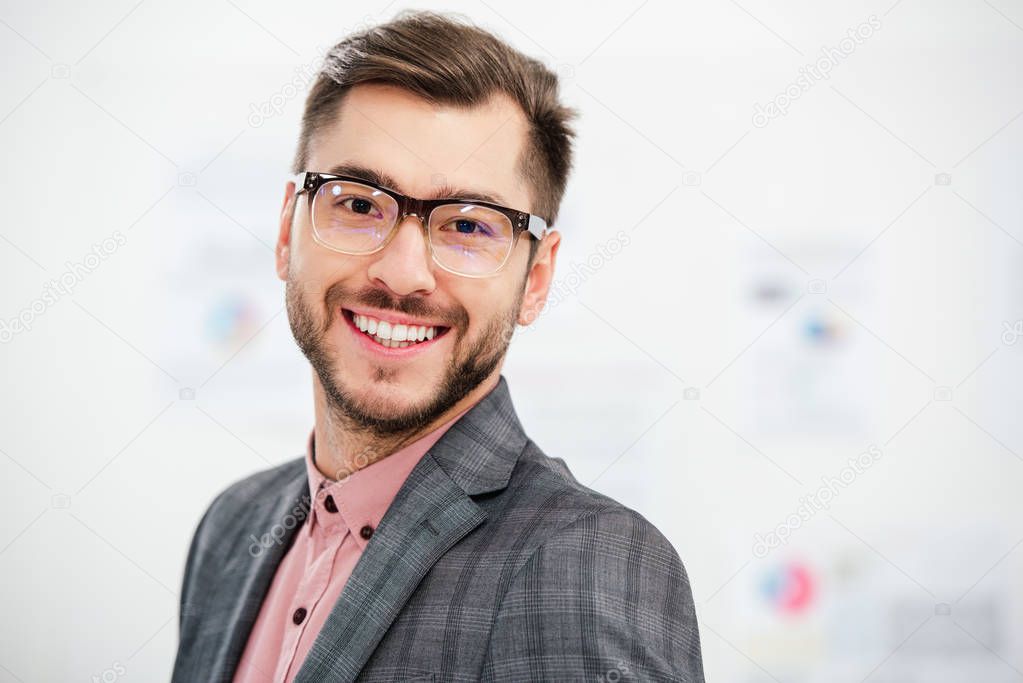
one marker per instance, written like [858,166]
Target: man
[424,536]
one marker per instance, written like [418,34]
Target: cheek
[319,268]
[307,256]
[485,300]
[305,273]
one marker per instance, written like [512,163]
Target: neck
[343,447]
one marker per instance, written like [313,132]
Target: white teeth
[393,335]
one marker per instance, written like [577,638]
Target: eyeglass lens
[464,237]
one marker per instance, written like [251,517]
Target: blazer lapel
[431,512]
[247,573]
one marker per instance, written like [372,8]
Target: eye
[358,205]
[466,226]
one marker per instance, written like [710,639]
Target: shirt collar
[363,497]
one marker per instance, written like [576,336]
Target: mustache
[373,297]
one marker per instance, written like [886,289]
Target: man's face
[424,148]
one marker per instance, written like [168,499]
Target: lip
[371,346]
[394,319]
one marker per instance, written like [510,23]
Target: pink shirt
[313,573]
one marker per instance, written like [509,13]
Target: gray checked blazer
[493,563]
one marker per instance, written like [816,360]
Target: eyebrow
[443,192]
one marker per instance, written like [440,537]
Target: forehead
[424,145]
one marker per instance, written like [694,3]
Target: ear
[539,279]
[283,251]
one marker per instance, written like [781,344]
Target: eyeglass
[466,237]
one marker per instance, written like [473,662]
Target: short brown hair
[446,60]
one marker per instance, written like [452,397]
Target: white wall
[798,293]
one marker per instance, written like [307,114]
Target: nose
[404,266]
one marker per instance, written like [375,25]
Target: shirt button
[299,616]
[329,503]
[366,532]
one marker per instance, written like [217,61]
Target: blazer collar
[431,512]
[479,451]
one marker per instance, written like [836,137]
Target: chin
[385,393]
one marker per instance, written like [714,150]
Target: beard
[472,361]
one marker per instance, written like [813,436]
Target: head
[432,107]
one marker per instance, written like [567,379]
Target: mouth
[393,338]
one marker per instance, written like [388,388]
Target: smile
[394,335]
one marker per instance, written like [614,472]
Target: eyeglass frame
[310,182]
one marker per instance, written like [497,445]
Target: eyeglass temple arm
[537,226]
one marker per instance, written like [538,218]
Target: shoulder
[547,503]
[230,505]
[223,519]
[256,484]
[604,587]
[242,492]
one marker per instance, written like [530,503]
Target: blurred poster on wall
[806,378]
